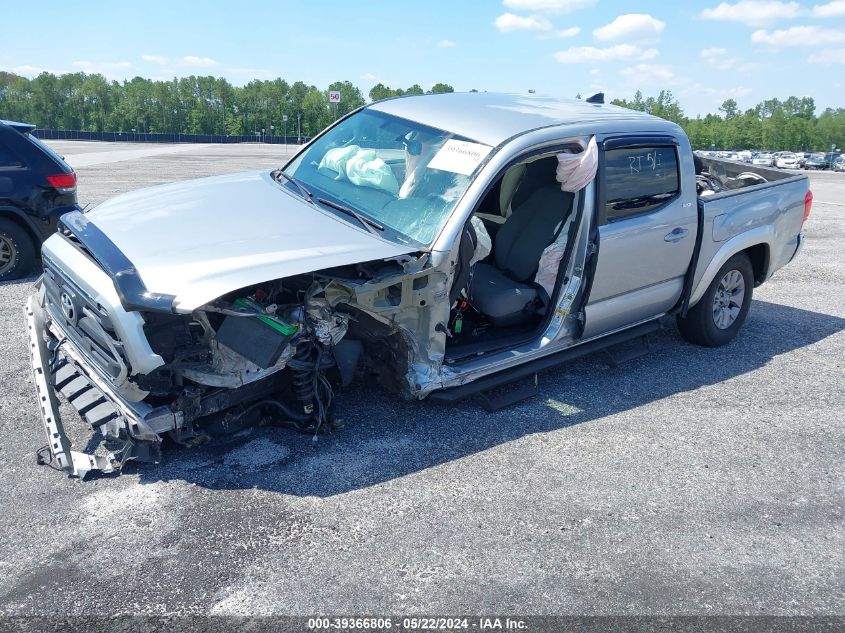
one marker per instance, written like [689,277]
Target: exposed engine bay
[272,353]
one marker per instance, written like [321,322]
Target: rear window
[41,145]
[639,179]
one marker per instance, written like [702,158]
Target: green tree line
[772,125]
[186,105]
[212,105]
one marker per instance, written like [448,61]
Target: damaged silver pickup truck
[442,245]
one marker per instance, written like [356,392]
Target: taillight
[808,204]
[63,183]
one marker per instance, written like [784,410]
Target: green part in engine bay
[280,325]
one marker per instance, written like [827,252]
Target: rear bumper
[129,430]
[48,223]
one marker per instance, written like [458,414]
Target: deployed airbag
[361,167]
[335,160]
[574,172]
[547,269]
[484,245]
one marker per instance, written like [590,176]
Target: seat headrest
[510,183]
[538,174]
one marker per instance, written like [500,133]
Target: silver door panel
[631,307]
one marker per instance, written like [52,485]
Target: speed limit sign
[334,96]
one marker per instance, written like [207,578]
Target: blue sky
[704,51]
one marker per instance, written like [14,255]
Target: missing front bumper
[130,431]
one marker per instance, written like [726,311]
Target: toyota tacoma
[441,245]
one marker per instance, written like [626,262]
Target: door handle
[676,235]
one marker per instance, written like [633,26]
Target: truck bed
[768,211]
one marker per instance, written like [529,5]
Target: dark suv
[36,187]
[816,161]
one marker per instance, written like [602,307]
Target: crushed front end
[273,352]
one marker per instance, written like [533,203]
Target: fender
[24,218]
[754,237]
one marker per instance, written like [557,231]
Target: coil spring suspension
[303,380]
[310,385]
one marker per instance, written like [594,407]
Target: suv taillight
[63,183]
[808,204]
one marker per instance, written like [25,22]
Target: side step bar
[507,376]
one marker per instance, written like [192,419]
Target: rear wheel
[718,316]
[17,251]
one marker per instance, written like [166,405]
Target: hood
[199,239]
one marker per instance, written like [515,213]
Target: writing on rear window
[639,179]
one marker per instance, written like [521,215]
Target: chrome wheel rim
[8,254]
[727,304]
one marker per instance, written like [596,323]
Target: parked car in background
[816,161]
[839,164]
[36,187]
[787,161]
[763,160]
[831,157]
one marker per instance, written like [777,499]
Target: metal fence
[166,137]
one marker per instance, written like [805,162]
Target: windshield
[405,176]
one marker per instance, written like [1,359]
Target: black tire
[19,251]
[699,326]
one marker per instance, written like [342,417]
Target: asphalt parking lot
[688,481]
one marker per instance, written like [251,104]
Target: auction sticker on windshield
[459,157]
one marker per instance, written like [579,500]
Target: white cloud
[719,94]
[368,77]
[633,26]
[32,71]
[186,61]
[815,36]
[194,60]
[712,53]
[590,54]
[753,12]
[508,22]
[828,56]
[248,74]
[829,10]
[112,70]
[561,34]
[720,60]
[594,72]
[446,44]
[86,64]
[649,72]
[551,6]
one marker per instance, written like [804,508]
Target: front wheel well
[759,256]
